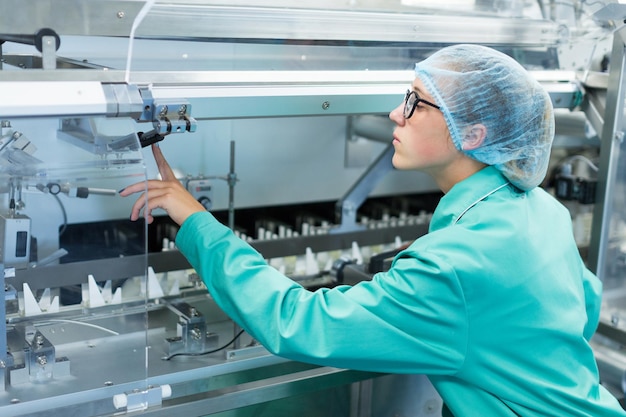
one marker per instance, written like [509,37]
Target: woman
[494,304]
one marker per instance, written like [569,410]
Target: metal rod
[232,181]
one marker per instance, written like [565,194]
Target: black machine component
[148,138]
[570,187]
[382,261]
[35,39]
[347,271]
[339,266]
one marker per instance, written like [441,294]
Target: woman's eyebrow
[420,92]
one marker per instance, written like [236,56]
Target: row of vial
[282,231]
[312,264]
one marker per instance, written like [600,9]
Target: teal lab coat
[494,305]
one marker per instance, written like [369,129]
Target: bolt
[42,360]
[121,14]
[182,110]
[619,136]
[325,105]
[39,340]
[163,111]
[195,333]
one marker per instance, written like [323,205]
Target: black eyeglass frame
[409,109]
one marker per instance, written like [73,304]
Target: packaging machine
[274,116]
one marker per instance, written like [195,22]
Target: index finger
[164,168]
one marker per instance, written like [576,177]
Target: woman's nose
[397,114]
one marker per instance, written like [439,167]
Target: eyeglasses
[412,100]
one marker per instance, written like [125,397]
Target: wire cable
[81,323]
[167,358]
[582,158]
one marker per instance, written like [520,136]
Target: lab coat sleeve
[410,320]
[593,300]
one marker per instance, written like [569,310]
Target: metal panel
[188,19]
[70,17]
[205,21]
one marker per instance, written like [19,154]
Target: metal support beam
[612,138]
[346,208]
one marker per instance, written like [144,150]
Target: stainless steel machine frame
[606,250]
[104,356]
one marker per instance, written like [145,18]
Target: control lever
[148,138]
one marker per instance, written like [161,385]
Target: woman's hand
[167,194]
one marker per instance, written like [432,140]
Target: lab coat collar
[464,195]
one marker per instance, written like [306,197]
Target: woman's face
[422,142]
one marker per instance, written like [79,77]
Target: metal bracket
[173,117]
[612,12]
[40,361]
[346,208]
[167,116]
[191,329]
[85,133]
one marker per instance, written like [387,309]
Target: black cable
[167,358]
[64,227]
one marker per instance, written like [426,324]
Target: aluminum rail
[224,94]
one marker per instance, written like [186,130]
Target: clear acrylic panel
[72,325]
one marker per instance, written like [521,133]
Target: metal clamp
[191,329]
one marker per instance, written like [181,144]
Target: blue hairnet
[478,85]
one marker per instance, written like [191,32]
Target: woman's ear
[474,137]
